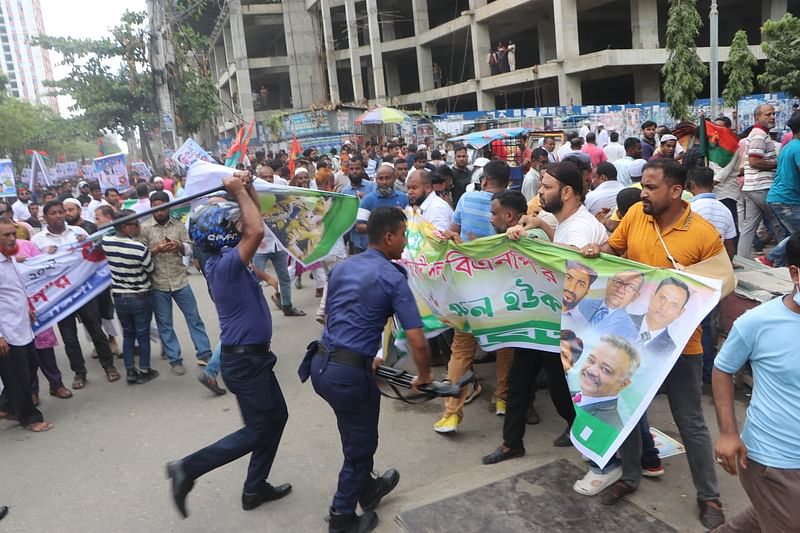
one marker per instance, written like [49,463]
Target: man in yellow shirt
[687,239]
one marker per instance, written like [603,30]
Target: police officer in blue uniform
[363,292]
[231,233]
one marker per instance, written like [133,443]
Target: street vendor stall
[506,144]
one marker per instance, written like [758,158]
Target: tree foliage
[683,72]
[195,91]
[780,40]
[739,69]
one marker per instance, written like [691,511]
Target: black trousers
[105,304]
[521,382]
[16,370]
[90,316]
[251,378]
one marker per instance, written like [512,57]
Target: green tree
[110,79]
[780,40]
[683,72]
[739,69]
[196,97]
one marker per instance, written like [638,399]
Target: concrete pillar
[392,79]
[305,59]
[644,24]
[479,34]
[375,51]
[475,4]
[565,22]
[424,58]
[647,85]
[355,58]
[238,46]
[387,28]
[546,31]
[569,89]
[330,59]
[773,9]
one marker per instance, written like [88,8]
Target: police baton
[169,205]
[396,377]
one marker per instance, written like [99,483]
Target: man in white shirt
[18,362]
[158,186]
[707,204]
[633,151]
[20,207]
[530,185]
[565,149]
[613,149]
[585,129]
[96,201]
[55,235]
[431,206]
[267,173]
[602,135]
[604,189]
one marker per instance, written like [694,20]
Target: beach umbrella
[381,115]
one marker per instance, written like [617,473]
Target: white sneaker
[593,483]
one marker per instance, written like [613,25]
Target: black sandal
[292,311]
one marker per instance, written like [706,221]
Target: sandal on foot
[616,492]
[474,392]
[79,382]
[39,427]
[61,392]
[594,483]
[276,299]
[287,311]
[111,374]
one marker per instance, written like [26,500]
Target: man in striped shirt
[131,265]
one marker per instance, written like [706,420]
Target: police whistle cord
[400,379]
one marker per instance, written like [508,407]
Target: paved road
[102,468]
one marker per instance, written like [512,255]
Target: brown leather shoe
[61,392]
[616,492]
[79,382]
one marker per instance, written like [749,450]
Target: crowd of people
[593,194]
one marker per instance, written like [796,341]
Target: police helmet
[214,226]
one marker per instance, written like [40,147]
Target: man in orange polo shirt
[687,239]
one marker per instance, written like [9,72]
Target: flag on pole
[293,153]
[243,151]
[101,149]
[718,143]
[38,170]
[231,158]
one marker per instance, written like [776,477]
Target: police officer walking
[363,292]
[231,233]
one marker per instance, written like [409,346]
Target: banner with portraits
[619,326]
[111,172]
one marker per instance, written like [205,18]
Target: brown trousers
[461,358]
[775,501]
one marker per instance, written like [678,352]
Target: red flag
[237,143]
[40,152]
[243,151]
[293,153]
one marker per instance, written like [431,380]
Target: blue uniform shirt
[243,312]
[363,292]
[359,239]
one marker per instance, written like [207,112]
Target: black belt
[347,358]
[246,348]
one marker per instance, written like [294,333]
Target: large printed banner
[619,326]
[111,171]
[8,185]
[307,223]
[61,283]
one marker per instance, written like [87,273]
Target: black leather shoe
[3,511]
[181,485]
[351,523]
[377,488]
[500,455]
[562,441]
[266,494]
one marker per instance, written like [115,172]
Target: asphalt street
[102,468]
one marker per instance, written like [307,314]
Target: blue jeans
[162,307]
[251,378]
[788,216]
[778,254]
[280,262]
[134,313]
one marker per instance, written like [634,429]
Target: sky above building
[87,19]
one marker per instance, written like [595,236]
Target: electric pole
[713,26]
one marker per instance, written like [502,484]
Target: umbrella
[381,115]
[479,139]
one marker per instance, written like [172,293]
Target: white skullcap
[298,170]
[668,137]
[71,201]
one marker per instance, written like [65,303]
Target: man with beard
[55,235]
[72,215]
[20,207]
[158,186]
[648,139]
[660,232]
[432,208]
[462,176]
[18,361]
[577,282]
[360,186]
[384,195]
[168,242]
[113,199]
[83,193]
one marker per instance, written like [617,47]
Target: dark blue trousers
[251,378]
[356,400]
